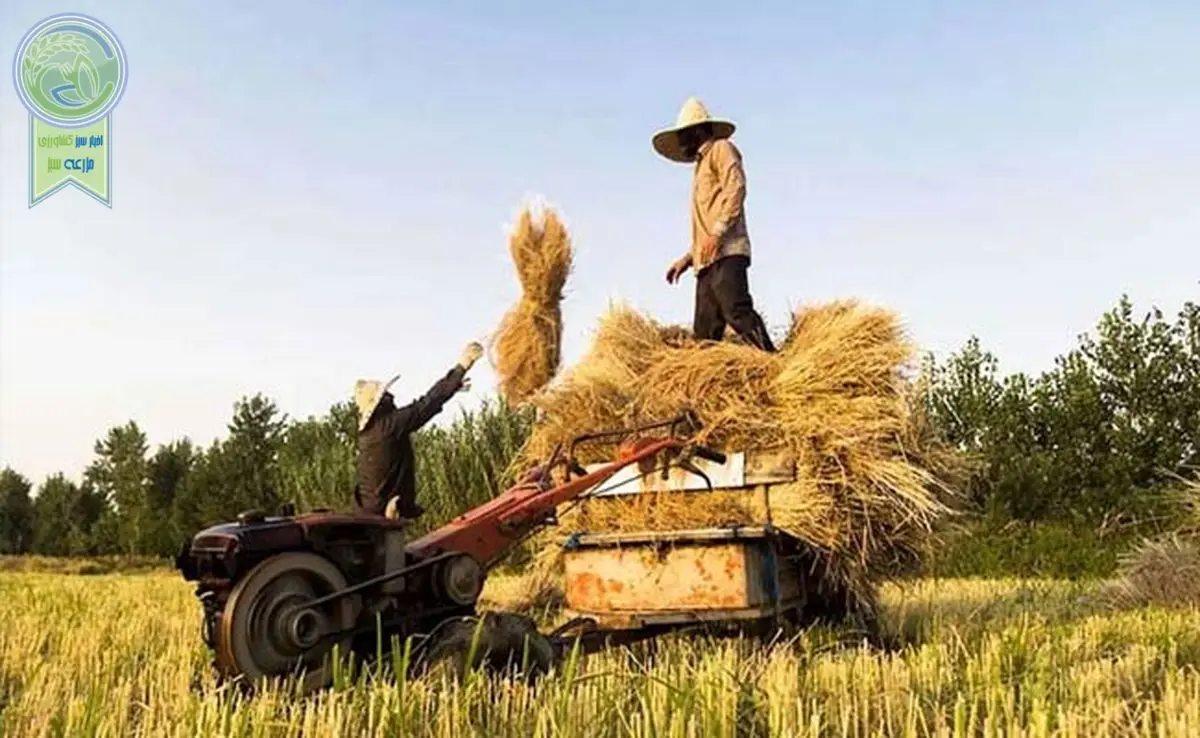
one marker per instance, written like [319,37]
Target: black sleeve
[414,415]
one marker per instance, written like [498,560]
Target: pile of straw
[837,398]
[1163,572]
[525,351]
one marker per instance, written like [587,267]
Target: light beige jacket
[718,202]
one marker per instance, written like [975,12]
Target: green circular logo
[70,70]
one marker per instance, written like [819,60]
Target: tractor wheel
[266,631]
[508,644]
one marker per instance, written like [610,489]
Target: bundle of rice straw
[871,481]
[525,351]
[1165,571]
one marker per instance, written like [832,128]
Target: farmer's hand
[465,385]
[470,355]
[708,249]
[677,268]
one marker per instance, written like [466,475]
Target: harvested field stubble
[872,483]
[985,658]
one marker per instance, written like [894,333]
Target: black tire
[508,644]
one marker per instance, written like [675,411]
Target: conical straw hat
[666,141]
[367,394]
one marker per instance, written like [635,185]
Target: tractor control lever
[709,454]
[691,468]
[703,452]
[567,460]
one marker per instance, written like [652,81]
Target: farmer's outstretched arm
[416,414]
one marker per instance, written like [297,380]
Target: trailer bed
[631,581]
[649,580]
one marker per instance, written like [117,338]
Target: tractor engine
[268,585]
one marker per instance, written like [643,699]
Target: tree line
[137,501]
[1103,438]
[1098,442]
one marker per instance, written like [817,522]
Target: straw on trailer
[871,480]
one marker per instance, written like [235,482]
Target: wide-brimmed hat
[367,394]
[693,113]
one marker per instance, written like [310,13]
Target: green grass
[1047,549]
[82,565]
[119,655]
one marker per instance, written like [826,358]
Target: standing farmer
[720,251]
[386,471]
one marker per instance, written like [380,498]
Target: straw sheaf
[525,350]
[1164,572]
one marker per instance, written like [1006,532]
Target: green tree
[1146,374]
[344,417]
[66,516]
[255,437]
[167,472]
[238,473]
[962,398]
[198,500]
[120,474]
[1093,441]
[316,462]
[16,513]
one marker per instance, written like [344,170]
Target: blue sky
[303,195]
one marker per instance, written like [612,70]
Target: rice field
[119,655]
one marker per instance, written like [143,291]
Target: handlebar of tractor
[490,530]
[709,454]
[687,420]
[574,468]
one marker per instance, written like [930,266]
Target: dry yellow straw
[870,483]
[525,351]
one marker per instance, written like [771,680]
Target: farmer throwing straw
[386,467]
[720,252]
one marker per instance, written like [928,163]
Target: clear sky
[305,193]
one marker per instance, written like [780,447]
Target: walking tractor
[279,592]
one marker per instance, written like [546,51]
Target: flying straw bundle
[525,351]
[871,481]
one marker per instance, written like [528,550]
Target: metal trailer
[625,587]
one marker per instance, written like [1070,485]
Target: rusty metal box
[705,574]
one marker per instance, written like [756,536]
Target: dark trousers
[723,298]
[368,504]
[372,503]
